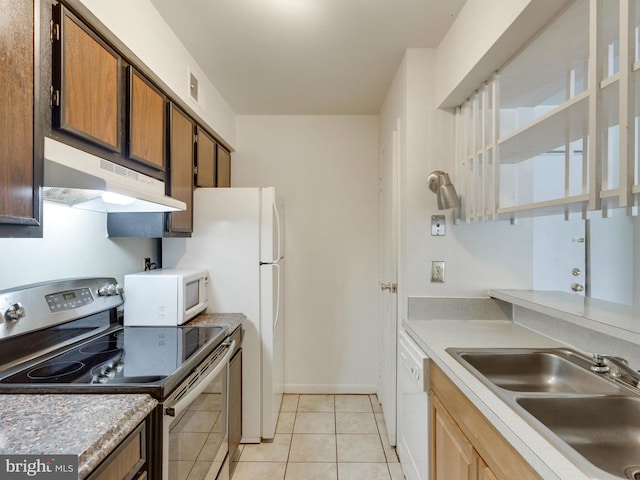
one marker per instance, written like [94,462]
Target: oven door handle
[184,402]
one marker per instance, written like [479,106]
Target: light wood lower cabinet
[454,456]
[484,473]
[466,445]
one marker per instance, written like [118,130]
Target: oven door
[194,422]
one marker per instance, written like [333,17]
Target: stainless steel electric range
[67,337]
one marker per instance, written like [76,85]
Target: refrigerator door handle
[277,217]
[277,319]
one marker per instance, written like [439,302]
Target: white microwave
[164,296]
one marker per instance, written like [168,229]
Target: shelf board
[566,123]
[612,193]
[609,80]
[575,204]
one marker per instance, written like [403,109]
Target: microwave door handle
[184,402]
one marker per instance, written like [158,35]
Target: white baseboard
[331,389]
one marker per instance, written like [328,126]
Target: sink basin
[596,421]
[528,370]
[604,430]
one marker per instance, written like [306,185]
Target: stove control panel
[69,299]
[41,305]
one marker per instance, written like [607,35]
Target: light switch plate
[437,225]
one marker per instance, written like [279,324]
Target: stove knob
[14,312]
[110,290]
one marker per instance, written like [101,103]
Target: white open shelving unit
[556,129]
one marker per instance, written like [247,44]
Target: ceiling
[305,57]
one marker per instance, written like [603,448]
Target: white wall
[74,244]
[325,169]
[143,30]
[478,256]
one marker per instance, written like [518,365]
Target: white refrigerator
[238,237]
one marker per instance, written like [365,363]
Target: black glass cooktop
[124,358]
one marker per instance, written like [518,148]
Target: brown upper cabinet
[147,121]
[205,159]
[67,77]
[21,145]
[181,148]
[87,84]
[223,174]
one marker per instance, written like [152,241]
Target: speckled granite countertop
[229,321]
[90,426]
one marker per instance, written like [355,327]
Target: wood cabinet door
[20,171]
[147,125]
[128,458]
[223,173]
[88,78]
[484,472]
[206,159]
[454,456]
[181,169]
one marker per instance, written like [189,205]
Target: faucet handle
[599,366]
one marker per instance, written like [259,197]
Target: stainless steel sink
[604,430]
[591,417]
[526,370]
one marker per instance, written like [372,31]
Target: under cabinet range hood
[82,180]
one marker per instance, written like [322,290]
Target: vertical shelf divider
[595,105]
[495,83]
[627,100]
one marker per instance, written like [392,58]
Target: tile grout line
[386,460]
[371,400]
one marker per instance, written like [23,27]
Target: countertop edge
[228,321]
[91,458]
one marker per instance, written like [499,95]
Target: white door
[388,196]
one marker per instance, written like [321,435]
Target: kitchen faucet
[616,367]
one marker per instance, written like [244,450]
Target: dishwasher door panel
[414,411]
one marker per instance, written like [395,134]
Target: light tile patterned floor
[324,437]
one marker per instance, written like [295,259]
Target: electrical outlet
[147,264]
[437,271]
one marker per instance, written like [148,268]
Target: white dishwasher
[413,409]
